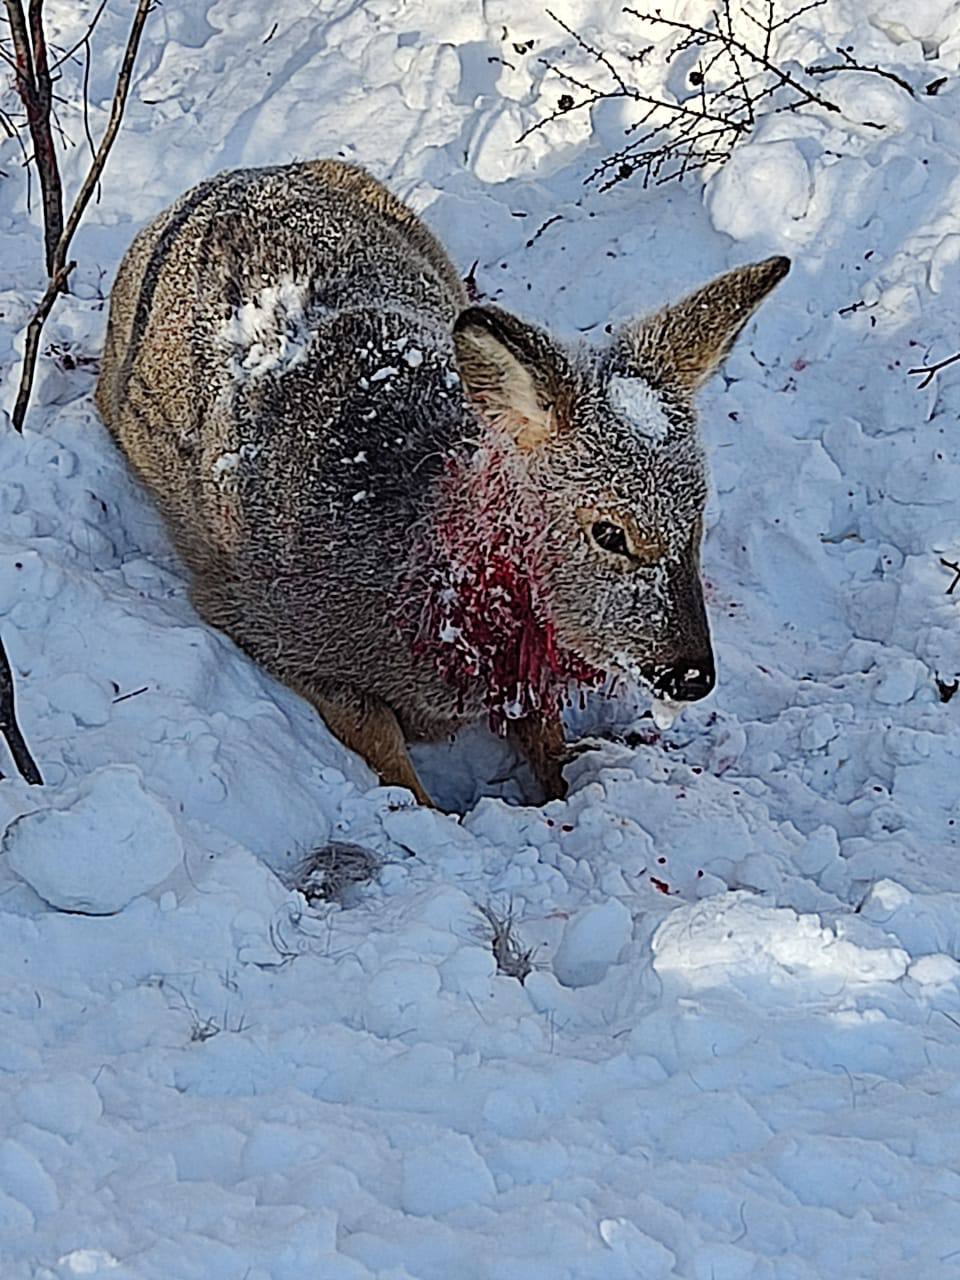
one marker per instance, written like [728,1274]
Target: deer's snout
[685,681]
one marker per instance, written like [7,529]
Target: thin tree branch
[86,101]
[10,729]
[600,56]
[83,39]
[760,59]
[31,346]
[930,371]
[735,81]
[851,64]
[109,135]
[34,88]
[60,267]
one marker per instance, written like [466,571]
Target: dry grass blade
[513,959]
[330,872]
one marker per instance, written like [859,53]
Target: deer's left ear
[510,371]
[684,344]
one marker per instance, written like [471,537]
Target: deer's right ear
[507,369]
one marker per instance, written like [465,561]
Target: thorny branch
[58,268]
[10,729]
[735,81]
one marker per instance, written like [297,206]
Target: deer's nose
[687,681]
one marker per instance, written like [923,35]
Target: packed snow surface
[737,1055]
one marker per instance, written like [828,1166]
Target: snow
[762,191]
[269,332]
[97,846]
[636,401]
[592,941]
[664,712]
[706,943]
[88,1262]
[737,1055]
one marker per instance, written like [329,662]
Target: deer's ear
[509,372]
[684,344]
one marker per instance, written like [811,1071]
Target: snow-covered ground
[738,1055]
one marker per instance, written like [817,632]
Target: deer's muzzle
[684,681]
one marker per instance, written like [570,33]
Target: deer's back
[264,326]
[279,370]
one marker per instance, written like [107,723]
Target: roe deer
[412,510]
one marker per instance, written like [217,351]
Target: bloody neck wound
[474,603]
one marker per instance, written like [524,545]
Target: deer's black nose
[687,681]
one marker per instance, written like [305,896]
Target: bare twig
[32,344]
[952,565]
[86,104]
[761,59]
[84,39]
[110,133]
[930,371]
[557,217]
[592,50]
[14,132]
[851,64]
[768,26]
[35,90]
[57,266]
[10,729]
[736,81]
[134,693]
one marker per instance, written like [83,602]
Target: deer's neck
[477,598]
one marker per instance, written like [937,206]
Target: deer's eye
[610,537]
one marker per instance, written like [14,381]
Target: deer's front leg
[365,724]
[541,740]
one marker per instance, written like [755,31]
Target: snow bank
[97,846]
[735,1057]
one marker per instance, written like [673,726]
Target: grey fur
[296,447]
